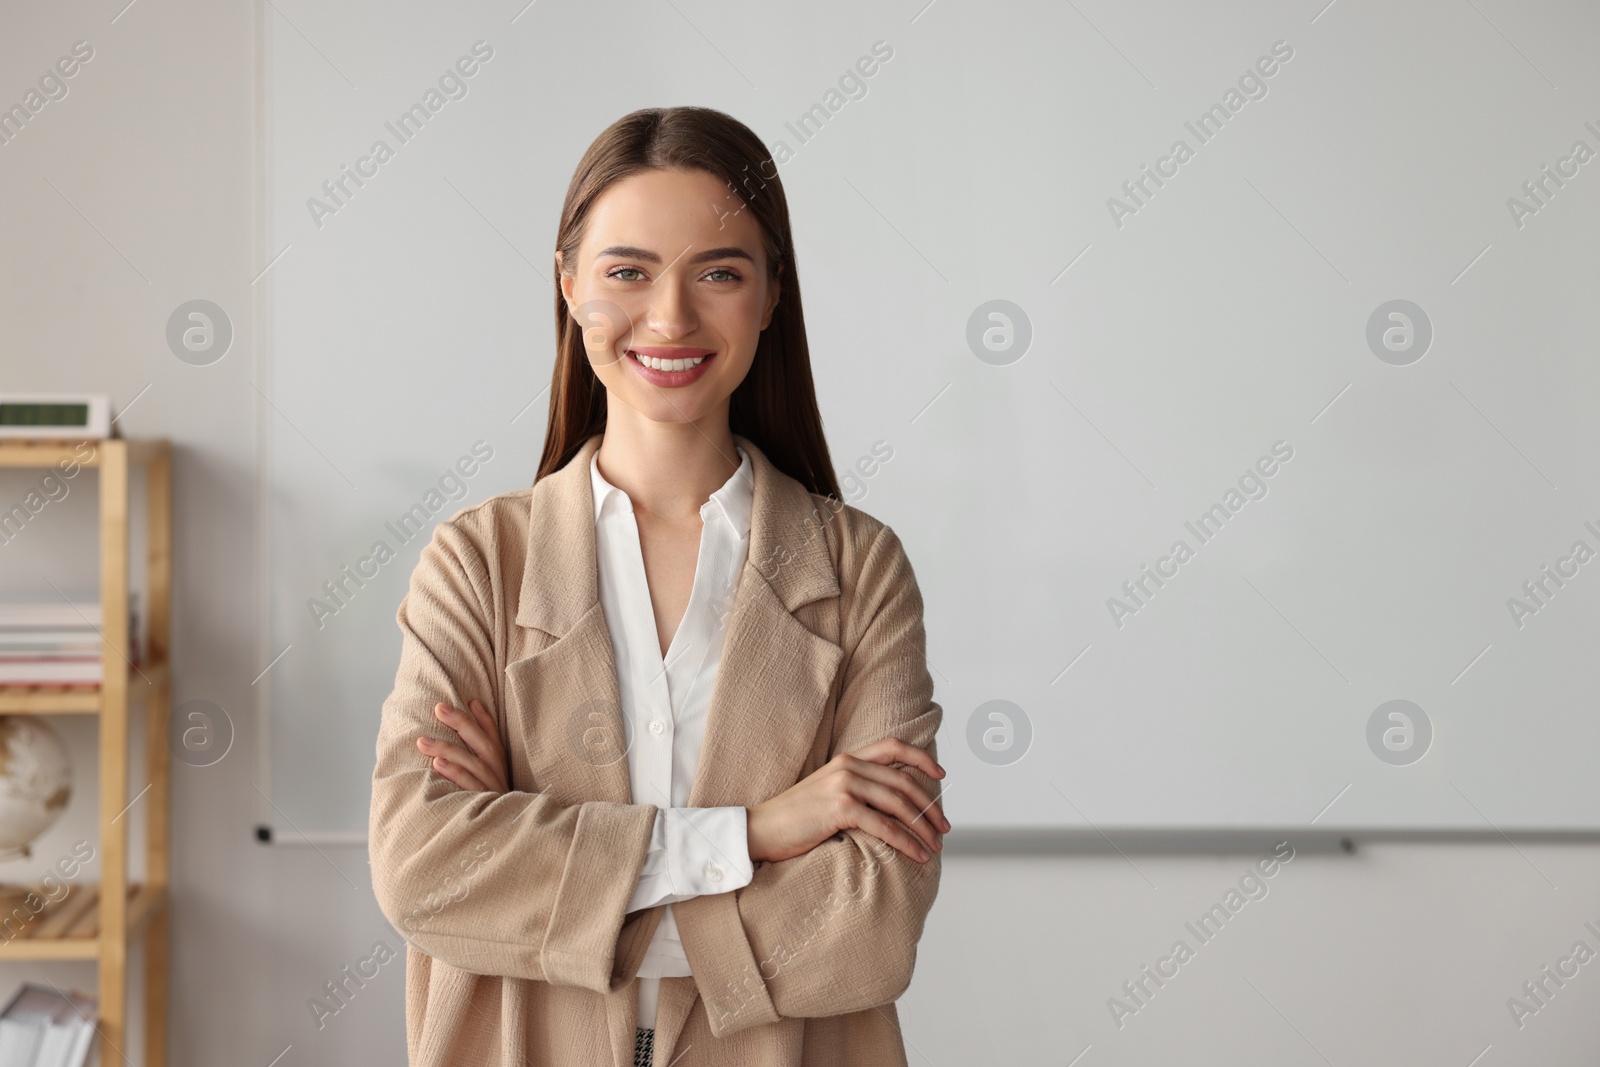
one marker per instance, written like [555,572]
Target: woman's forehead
[665,211]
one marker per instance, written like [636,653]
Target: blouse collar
[733,501]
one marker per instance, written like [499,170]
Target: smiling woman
[677,686]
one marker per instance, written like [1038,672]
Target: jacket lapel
[773,683]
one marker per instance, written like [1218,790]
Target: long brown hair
[775,407]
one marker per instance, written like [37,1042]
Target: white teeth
[668,364]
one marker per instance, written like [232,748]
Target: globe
[35,782]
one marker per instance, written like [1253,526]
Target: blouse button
[656,726]
[713,872]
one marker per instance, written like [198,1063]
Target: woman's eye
[728,276]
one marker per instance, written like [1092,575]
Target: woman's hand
[481,765]
[858,790]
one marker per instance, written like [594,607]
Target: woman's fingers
[862,789]
[491,731]
[900,780]
[887,750]
[892,801]
[468,726]
[455,762]
[891,831]
[486,721]
[458,773]
[477,729]
[461,776]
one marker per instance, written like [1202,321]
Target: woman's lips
[670,378]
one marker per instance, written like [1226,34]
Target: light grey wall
[1206,352]
[132,195]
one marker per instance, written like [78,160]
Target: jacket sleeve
[834,930]
[513,883]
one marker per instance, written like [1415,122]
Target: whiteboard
[1340,349]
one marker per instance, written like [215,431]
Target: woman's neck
[667,469]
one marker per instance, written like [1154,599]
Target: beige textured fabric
[512,904]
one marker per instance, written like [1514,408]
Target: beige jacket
[519,951]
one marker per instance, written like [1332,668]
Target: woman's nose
[671,312]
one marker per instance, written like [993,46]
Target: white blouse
[693,851]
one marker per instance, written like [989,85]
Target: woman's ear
[565,282]
[772,301]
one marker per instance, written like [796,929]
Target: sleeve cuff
[694,852]
[708,849]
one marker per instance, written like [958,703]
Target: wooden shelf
[39,452]
[88,924]
[70,930]
[75,699]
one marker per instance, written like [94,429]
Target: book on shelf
[57,642]
[42,1026]
[51,672]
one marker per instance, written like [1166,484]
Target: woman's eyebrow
[632,252]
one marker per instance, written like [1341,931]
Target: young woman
[656,780]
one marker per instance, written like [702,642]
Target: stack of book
[53,642]
[44,1027]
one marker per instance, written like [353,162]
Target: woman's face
[672,267]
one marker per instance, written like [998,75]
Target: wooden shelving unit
[100,921]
